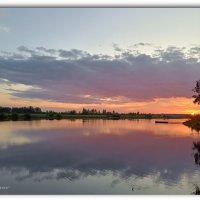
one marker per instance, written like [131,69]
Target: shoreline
[193,123]
[59,116]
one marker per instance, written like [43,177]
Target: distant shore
[58,116]
[31,113]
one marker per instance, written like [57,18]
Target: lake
[97,157]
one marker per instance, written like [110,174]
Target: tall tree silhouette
[197,91]
[196,148]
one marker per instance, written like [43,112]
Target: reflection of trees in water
[196,148]
[195,130]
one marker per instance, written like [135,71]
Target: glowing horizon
[176,106]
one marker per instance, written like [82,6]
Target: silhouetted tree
[5,110]
[29,109]
[104,112]
[72,112]
[38,110]
[85,111]
[197,91]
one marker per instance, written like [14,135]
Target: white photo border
[99,3]
[103,4]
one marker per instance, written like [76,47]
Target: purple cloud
[75,76]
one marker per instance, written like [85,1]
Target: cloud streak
[76,76]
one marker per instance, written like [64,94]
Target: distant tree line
[90,112]
[13,113]
[84,111]
[29,109]
[108,113]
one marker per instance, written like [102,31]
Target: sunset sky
[122,59]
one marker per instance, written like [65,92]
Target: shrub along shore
[193,123]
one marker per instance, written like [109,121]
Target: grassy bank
[193,123]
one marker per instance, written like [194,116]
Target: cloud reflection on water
[123,149]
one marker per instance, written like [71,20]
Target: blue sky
[95,30]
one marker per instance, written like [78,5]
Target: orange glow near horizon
[160,105]
[194,112]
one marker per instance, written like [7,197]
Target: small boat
[162,122]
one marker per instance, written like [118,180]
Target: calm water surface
[97,157]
